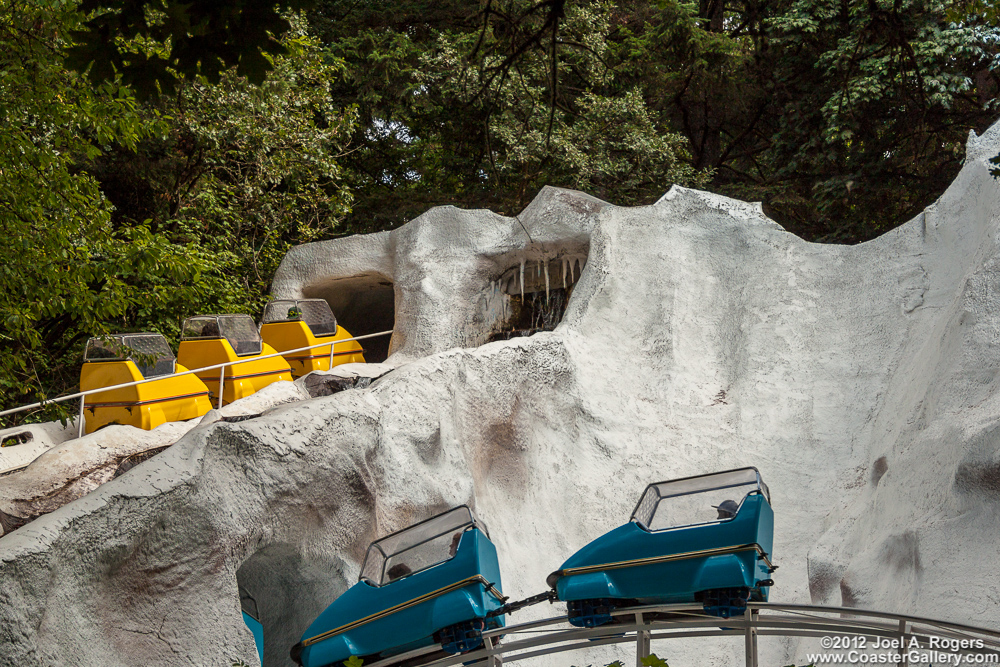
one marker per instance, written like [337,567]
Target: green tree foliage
[67,271]
[199,38]
[560,115]
[845,118]
[467,107]
[651,660]
[871,103]
[118,215]
[121,209]
[242,172]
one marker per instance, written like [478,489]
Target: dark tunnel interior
[363,304]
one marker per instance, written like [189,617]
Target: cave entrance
[534,295]
[289,591]
[363,304]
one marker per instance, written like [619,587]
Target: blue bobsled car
[252,619]
[435,582]
[701,539]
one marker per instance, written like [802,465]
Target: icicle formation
[504,301]
[546,283]
[532,314]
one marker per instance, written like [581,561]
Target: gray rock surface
[61,473]
[20,445]
[861,381]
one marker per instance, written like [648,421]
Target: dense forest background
[157,158]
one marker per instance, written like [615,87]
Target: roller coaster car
[252,619]
[698,539]
[435,582]
[208,340]
[289,325]
[124,358]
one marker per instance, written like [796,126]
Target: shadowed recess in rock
[363,304]
[532,296]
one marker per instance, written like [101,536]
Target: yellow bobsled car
[208,340]
[125,358]
[289,325]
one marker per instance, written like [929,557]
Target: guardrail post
[751,637]
[332,346]
[79,432]
[902,643]
[492,660]
[222,380]
[641,641]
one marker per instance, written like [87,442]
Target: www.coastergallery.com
[897,651]
[912,657]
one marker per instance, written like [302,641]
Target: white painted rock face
[50,475]
[21,445]
[861,381]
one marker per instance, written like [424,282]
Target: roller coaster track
[641,625]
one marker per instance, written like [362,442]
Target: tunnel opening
[363,304]
[287,592]
[532,295]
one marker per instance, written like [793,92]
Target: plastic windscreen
[241,332]
[422,556]
[201,327]
[643,514]
[279,311]
[248,604]
[151,353]
[437,532]
[319,317]
[104,350]
[372,568]
[694,500]
[701,507]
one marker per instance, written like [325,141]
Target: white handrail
[83,394]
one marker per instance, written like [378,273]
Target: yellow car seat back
[294,324]
[124,358]
[209,340]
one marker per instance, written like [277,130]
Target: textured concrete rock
[59,474]
[862,381]
[21,445]
[436,275]
[339,378]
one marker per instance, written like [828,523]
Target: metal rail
[83,394]
[642,625]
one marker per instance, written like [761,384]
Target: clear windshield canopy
[248,604]
[239,330]
[418,547]
[315,313]
[696,500]
[149,351]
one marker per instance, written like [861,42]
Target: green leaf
[652,660]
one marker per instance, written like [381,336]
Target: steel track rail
[641,625]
